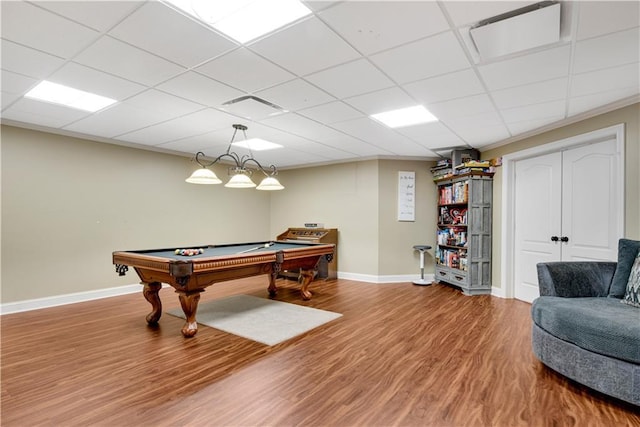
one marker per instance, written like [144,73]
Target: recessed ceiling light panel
[405,117]
[257,144]
[244,20]
[69,97]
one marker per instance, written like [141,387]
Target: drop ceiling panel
[306,47]
[295,95]
[597,18]
[245,70]
[424,58]
[197,123]
[117,120]
[580,104]
[382,100]
[200,89]
[331,113]
[90,80]
[462,107]
[27,61]
[607,51]
[195,43]
[51,115]
[353,78]
[99,15]
[432,135]
[332,69]
[535,93]
[626,76]
[535,67]
[449,86]
[115,57]
[34,27]
[366,25]
[535,111]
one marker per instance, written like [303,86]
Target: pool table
[189,275]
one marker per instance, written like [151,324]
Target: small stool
[422,249]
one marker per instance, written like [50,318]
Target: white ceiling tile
[478,136]
[422,59]
[16,84]
[119,119]
[196,123]
[298,125]
[353,78]
[535,67]
[165,105]
[597,18]
[380,136]
[581,104]
[374,26]
[520,127]
[200,89]
[331,113]
[606,80]
[607,51]
[99,15]
[212,143]
[7,98]
[84,78]
[115,57]
[381,101]
[245,70]
[470,12]
[44,113]
[462,126]
[37,28]
[295,95]
[535,93]
[433,135]
[305,47]
[533,112]
[462,107]
[27,61]
[450,86]
[195,42]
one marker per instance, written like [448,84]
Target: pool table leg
[150,292]
[189,302]
[307,277]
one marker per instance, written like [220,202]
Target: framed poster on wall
[406,196]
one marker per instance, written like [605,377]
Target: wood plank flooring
[401,355]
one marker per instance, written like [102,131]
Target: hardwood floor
[400,355]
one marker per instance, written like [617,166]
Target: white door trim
[508,188]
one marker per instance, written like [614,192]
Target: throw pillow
[627,251]
[632,296]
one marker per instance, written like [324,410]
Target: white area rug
[266,321]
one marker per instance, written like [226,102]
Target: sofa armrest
[575,278]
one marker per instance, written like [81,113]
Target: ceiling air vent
[252,107]
[525,28]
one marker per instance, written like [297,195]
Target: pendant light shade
[270,183]
[203,176]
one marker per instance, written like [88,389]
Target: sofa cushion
[601,325]
[632,294]
[627,251]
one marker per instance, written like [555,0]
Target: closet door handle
[564,239]
[554,238]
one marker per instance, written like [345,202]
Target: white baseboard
[57,300]
[499,292]
[54,301]
[370,278]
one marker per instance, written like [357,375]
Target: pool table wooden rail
[189,277]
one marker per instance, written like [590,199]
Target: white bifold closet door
[565,210]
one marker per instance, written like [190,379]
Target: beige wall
[68,203]
[630,116]
[360,200]
[396,238]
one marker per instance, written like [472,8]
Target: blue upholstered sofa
[583,331]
